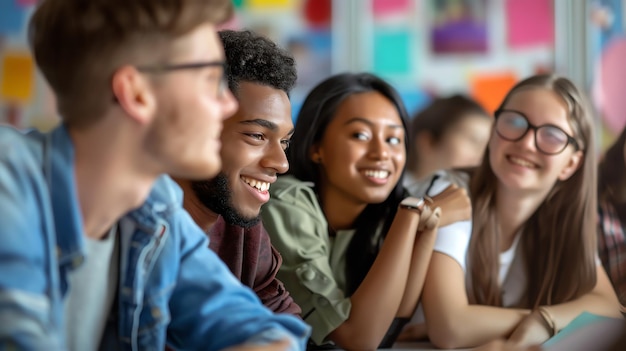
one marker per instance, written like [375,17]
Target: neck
[340,212]
[513,209]
[204,217]
[109,173]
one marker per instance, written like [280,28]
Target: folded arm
[451,321]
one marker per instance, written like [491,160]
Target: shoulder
[164,202]
[165,194]
[21,163]
[17,147]
[294,192]
[293,210]
[289,187]
[453,240]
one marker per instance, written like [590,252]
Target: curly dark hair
[256,59]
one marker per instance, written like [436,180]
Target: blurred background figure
[451,133]
[612,215]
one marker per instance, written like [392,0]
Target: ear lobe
[314,154]
[574,163]
[134,94]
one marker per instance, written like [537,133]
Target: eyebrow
[265,124]
[368,122]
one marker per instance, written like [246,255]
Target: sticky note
[390,7]
[12,17]
[489,89]
[392,52]
[265,4]
[17,77]
[529,22]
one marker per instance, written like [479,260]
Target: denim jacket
[172,289]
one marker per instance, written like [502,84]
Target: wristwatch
[412,203]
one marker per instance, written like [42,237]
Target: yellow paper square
[17,76]
[267,4]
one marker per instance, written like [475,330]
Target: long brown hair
[558,241]
[611,180]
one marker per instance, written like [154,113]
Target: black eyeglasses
[160,69]
[549,139]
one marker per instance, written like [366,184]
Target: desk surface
[584,333]
[416,345]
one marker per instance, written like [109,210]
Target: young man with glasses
[254,141]
[96,251]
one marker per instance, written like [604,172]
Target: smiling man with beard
[254,141]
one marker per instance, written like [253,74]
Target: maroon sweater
[251,257]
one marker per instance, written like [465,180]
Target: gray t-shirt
[92,289]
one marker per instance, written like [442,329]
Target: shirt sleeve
[612,247]
[268,288]
[211,309]
[299,232]
[26,318]
[453,239]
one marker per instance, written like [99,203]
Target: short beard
[216,195]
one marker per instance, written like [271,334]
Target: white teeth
[376,174]
[259,185]
[521,162]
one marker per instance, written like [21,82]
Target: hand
[412,332]
[429,219]
[501,345]
[531,330]
[280,345]
[455,205]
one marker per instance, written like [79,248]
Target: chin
[208,171]
[376,199]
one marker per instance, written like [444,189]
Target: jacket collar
[68,222]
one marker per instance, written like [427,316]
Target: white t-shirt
[453,240]
[92,289]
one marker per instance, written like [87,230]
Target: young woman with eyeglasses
[530,264]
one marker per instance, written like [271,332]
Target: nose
[528,140]
[378,148]
[275,158]
[229,104]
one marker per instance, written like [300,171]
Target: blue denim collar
[59,170]
[164,198]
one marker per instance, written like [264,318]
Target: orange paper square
[489,89]
[17,77]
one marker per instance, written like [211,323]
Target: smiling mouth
[257,184]
[521,162]
[378,174]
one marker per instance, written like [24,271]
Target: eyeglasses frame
[570,139]
[160,69]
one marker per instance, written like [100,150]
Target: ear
[134,94]
[574,163]
[314,154]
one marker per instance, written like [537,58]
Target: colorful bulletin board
[608,42]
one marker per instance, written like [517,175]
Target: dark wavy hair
[611,180]
[256,59]
[318,109]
